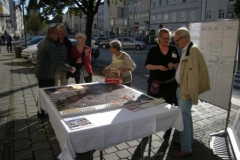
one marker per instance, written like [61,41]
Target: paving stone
[132,150]
[21,144]
[123,154]
[43,155]
[122,146]
[21,135]
[21,127]
[133,143]
[111,156]
[56,149]
[41,146]
[111,150]
[26,154]
[38,137]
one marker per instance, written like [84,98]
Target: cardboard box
[113,76]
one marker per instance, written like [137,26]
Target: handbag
[155,86]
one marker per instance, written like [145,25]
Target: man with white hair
[193,79]
[64,47]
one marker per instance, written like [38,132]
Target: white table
[110,127]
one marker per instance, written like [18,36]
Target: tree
[237,8]
[88,7]
[35,23]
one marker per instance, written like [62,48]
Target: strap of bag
[169,80]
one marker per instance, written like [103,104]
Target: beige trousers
[60,75]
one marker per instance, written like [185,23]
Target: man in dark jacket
[64,46]
[48,60]
[9,43]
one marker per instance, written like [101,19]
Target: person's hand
[73,70]
[105,70]
[162,68]
[122,70]
[171,66]
[79,60]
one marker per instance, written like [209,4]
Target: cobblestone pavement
[23,136]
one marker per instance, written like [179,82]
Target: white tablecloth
[110,127]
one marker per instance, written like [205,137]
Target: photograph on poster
[77,122]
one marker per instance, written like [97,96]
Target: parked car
[34,40]
[100,39]
[132,43]
[93,40]
[33,52]
[27,52]
[104,44]
[28,38]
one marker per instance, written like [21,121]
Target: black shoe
[42,115]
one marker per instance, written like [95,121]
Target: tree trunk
[89,29]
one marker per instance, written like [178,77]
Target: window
[160,2]
[193,15]
[153,18]
[221,13]
[184,0]
[165,17]
[173,17]
[166,2]
[159,17]
[153,4]
[183,16]
[174,1]
[209,14]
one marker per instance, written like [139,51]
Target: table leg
[101,155]
[150,144]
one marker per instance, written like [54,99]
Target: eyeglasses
[79,37]
[178,39]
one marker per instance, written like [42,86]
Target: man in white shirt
[193,79]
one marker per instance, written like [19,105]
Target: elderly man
[64,46]
[193,79]
[48,60]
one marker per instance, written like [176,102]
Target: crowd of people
[177,79]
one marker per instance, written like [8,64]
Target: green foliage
[237,8]
[78,7]
[35,23]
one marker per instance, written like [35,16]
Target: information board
[218,41]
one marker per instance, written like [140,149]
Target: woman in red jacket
[81,56]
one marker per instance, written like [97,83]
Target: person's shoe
[181,154]
[42,115]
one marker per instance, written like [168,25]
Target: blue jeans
[186,136]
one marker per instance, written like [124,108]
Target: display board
[218,41]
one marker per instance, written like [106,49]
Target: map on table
[77,99]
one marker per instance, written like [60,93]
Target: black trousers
[9,45]
[46,82]
[87,79]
